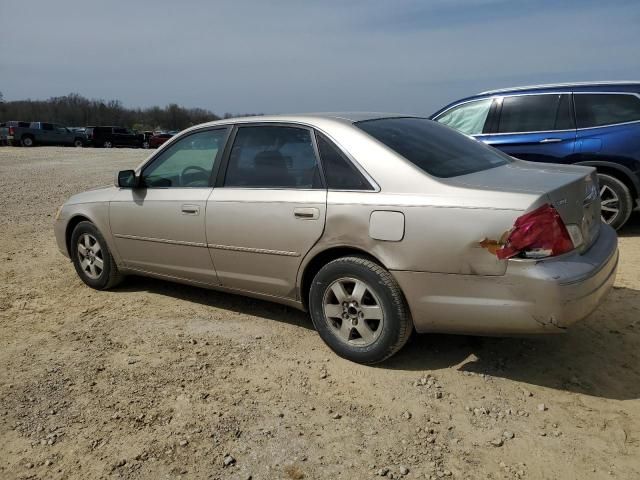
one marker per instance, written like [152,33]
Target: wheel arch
[314,262]
[71,225]
[618,171]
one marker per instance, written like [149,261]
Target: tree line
[74,110]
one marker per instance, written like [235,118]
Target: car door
[47,134]
[534,127]
[159,227]
[268,208]
[63,136]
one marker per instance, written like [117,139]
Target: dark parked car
[109,137]
[29,134]
[159,139]
[595,124]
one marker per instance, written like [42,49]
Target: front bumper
[543,296]
[59,230]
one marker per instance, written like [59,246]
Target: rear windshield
[437,149]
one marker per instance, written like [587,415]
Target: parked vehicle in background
[109,137]
[147,137]
[376,224]
[593,124]
[29,134]
[7,129]
[159,139]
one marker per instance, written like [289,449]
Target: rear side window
[597,109]
[469,118]
[339,172]
[436,149]
[273,157]
[535,113]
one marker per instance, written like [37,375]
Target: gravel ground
[156,380]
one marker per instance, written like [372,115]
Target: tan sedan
[376,224]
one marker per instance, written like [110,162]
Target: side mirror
[126,179]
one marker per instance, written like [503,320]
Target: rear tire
[27,141]
[359,310]
[616,201]
[78,143]
[92,259]
[107,144]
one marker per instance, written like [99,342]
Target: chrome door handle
[190,210]
[306,213]
[550,140]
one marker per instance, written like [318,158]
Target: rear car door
[534,127]
[159,227]
[268,208]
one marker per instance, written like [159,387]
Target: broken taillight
[537,234]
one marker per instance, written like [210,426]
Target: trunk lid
[571,189]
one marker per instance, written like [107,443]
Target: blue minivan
[596,124]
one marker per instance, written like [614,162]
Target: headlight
[58,212]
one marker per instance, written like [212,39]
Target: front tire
[92,259]
[358,309]
[78,143]
[615,200]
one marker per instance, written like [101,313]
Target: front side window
[187,163]
[339,172]
[598,109]
[273,157]
[468,118]
[535,113]
[434,148]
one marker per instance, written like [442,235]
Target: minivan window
[438,150]
[273,157]
[469,117]
[535,113]
[598,109]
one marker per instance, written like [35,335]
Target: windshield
[438,150]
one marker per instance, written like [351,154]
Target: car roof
[310,118]
[574,86]
[632,86]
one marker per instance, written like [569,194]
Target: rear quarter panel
[438,236]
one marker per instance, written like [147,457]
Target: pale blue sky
[292,56]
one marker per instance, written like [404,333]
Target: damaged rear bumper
[544,296]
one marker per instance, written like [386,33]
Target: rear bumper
[532,297]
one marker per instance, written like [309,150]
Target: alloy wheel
[90,256]
[609,204]
[353,312]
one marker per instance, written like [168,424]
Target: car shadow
[599,356]
[213,298]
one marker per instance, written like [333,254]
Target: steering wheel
[195,169]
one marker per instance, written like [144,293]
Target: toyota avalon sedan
[375,224]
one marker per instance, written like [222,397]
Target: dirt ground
[157,380]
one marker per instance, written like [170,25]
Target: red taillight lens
[537,234]
[11,130]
